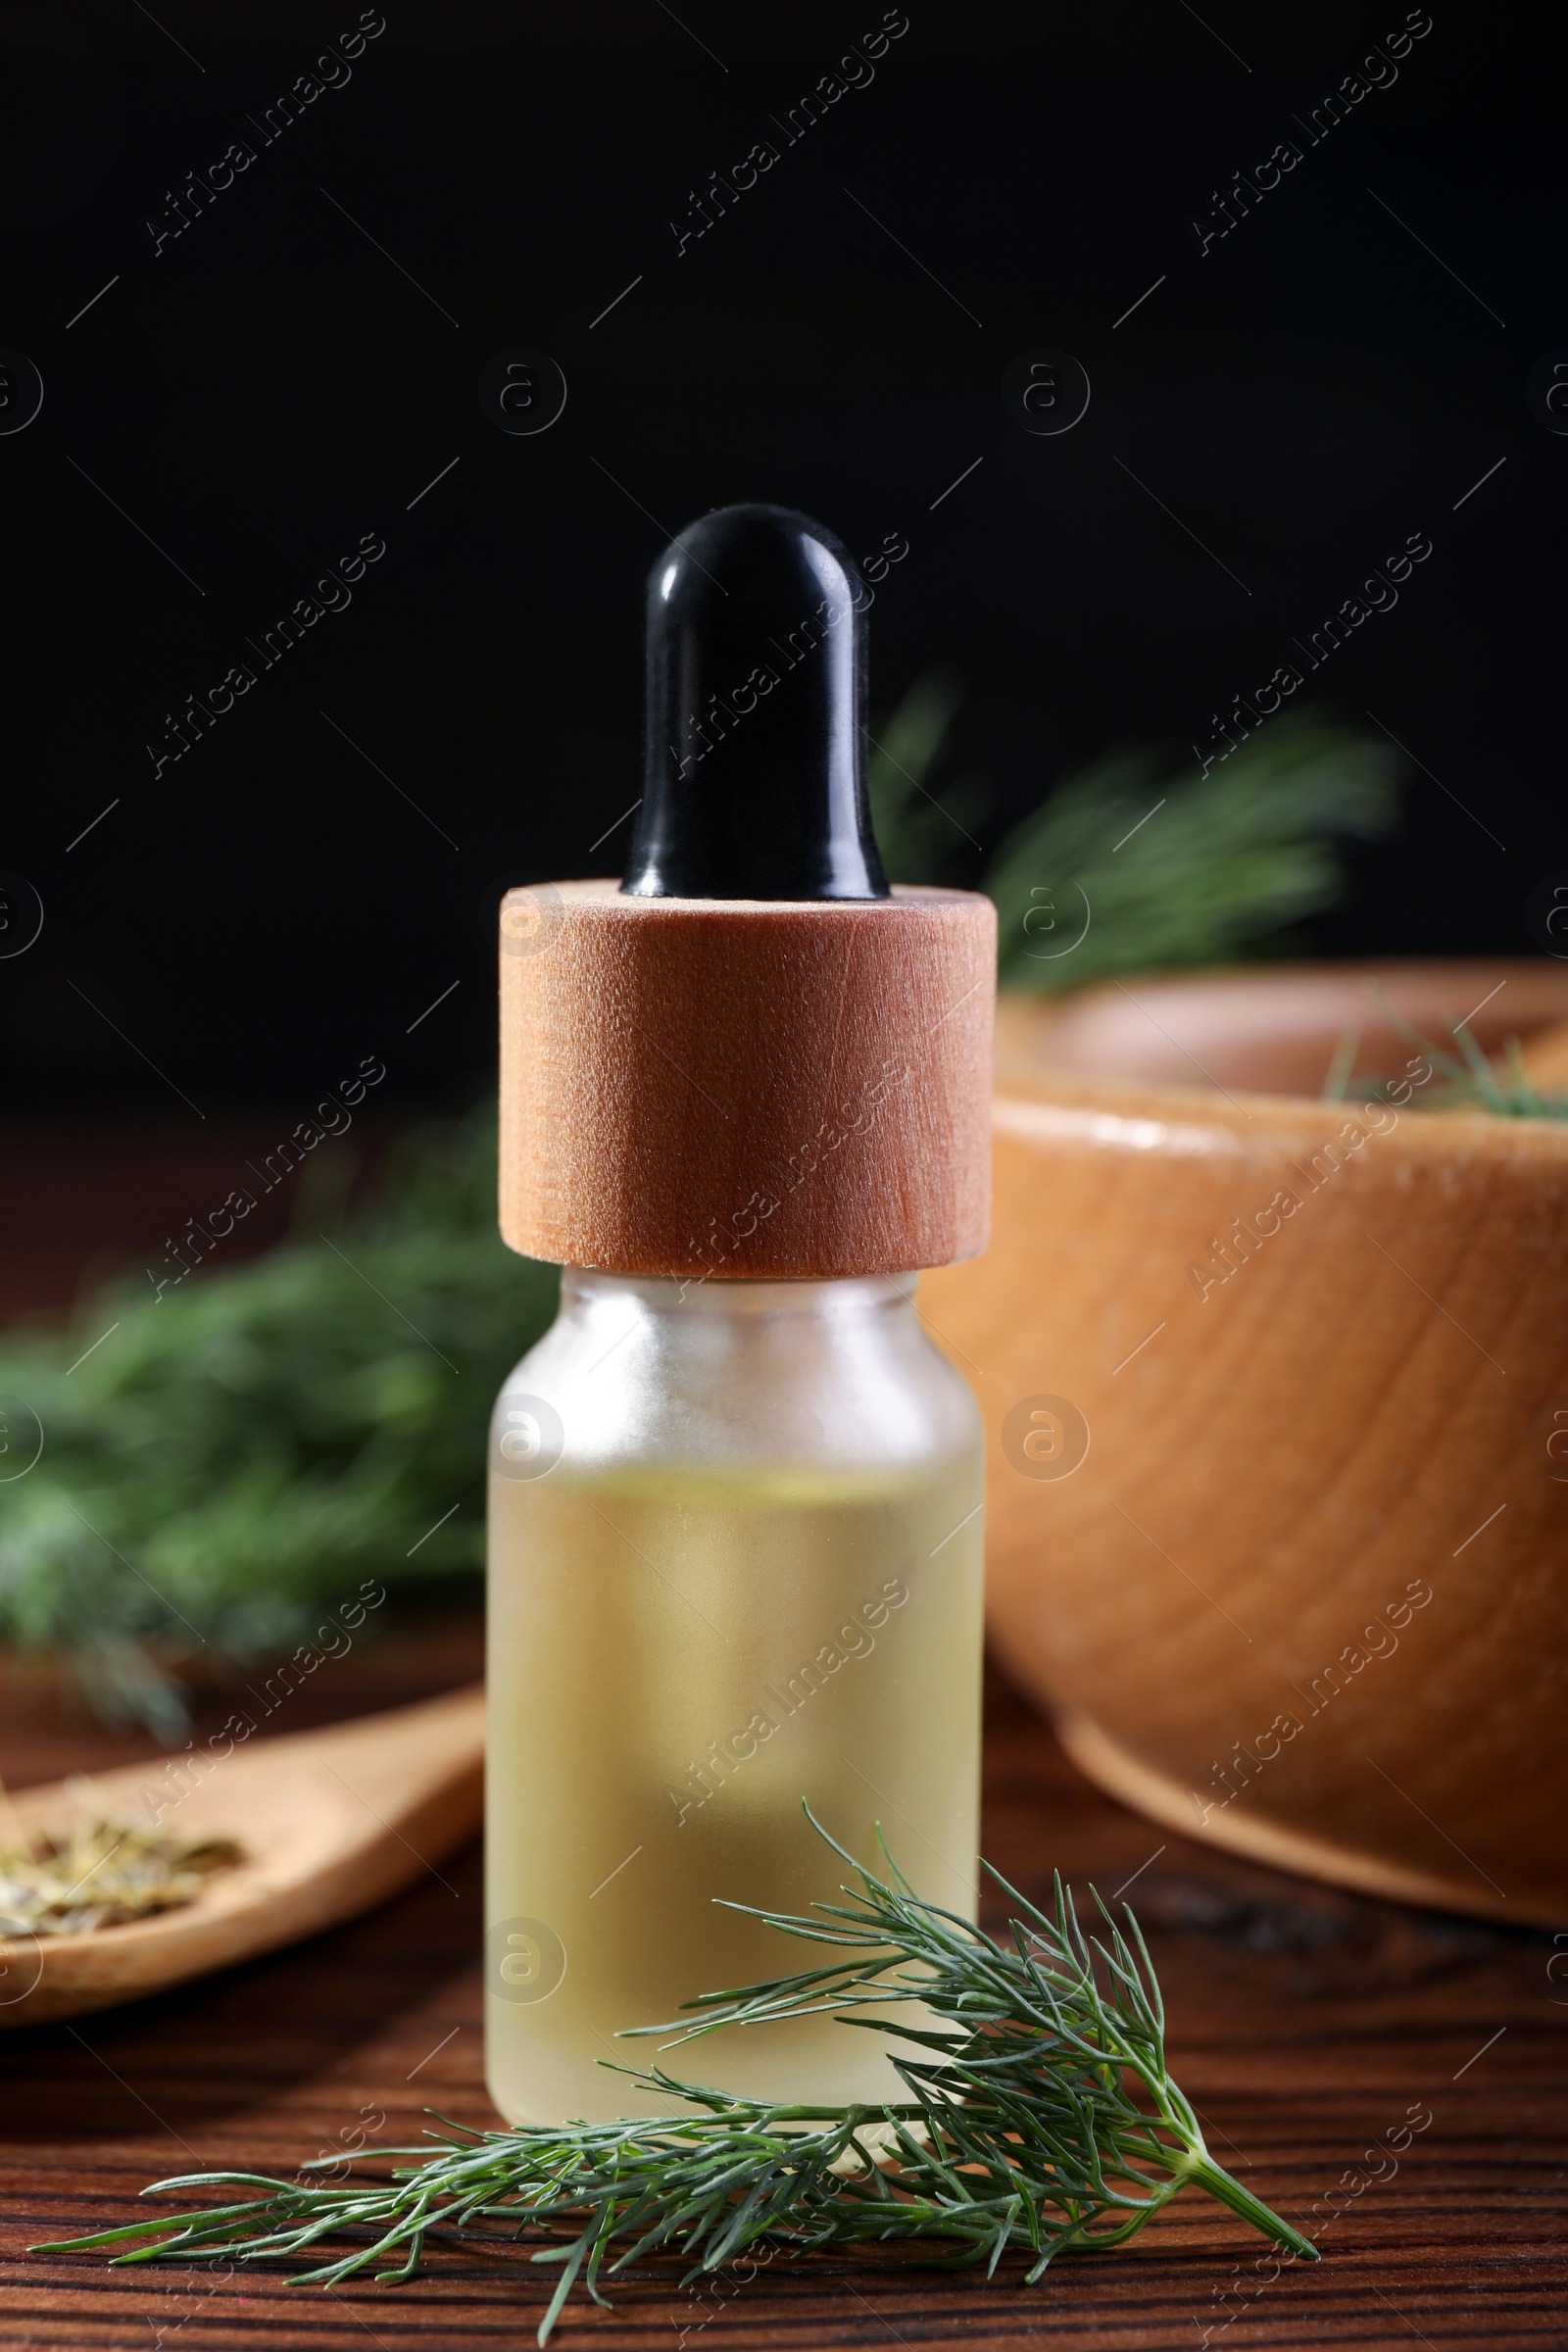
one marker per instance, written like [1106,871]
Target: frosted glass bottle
[734,1563]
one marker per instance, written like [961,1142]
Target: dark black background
[270,386]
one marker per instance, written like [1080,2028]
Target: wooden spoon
[331,1823]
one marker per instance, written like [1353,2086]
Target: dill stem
[1241,2201]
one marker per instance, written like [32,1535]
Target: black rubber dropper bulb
[754,781]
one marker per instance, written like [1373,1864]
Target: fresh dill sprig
[1137,863]
[1471,1082]
[246,1448]
[1469,1079]
[922,831]
[1508,1091]
[1041,2119]
[1163,869]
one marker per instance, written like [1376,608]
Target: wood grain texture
[701,1087]
[1275,1028]
[1319,1353]
[1545,1057]
[1306,2023]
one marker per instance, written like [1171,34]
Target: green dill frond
[1136,864]
[1159,868]
[246,1450]
[1040,2119]
[1469,1080]
[922,831]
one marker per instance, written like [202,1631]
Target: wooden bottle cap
[746,1087]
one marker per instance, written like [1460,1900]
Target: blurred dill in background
[260,1439]
[1153,866]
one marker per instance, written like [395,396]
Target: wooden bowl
[1277,1399]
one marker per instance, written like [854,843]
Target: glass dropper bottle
[736,1493]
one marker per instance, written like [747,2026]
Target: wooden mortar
[1298,1581]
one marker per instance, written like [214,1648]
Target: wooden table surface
[1307,2025]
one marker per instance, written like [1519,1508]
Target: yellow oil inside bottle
[677,1659]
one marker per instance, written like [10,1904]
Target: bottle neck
[587,1289]
[636,1369]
